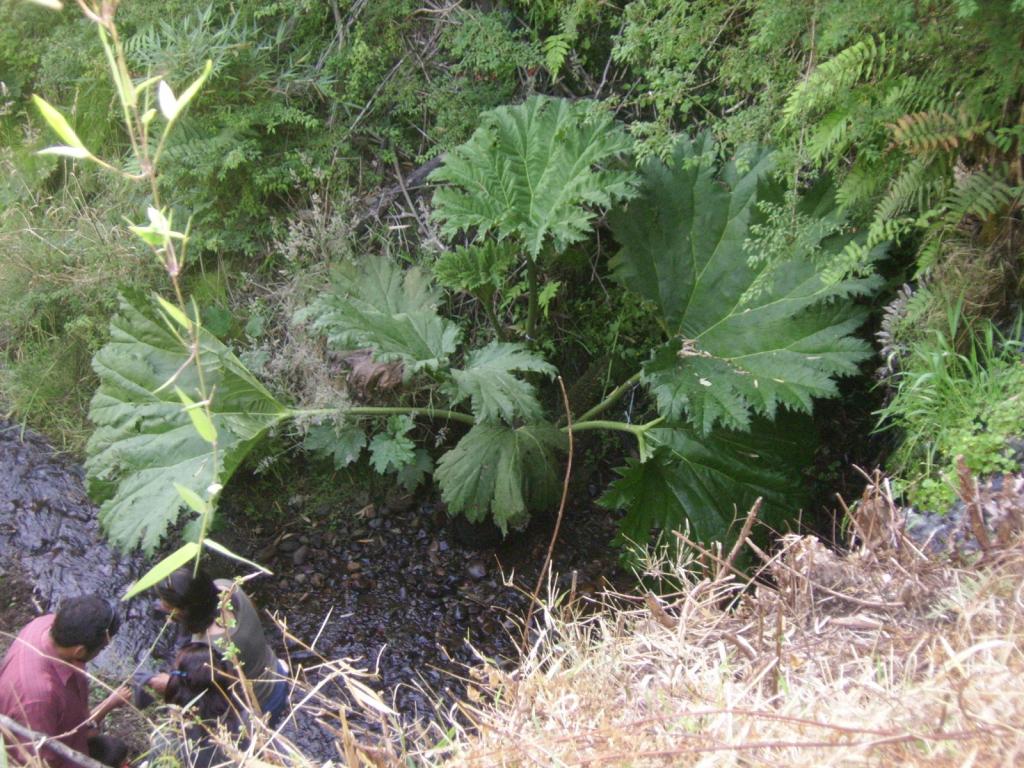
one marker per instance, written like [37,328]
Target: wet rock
[288,545]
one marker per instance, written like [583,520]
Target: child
[109,750]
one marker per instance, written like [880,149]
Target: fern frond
[862,183]
[862,61]
[829,136]
[977,194]
[556,50]
[915,187]
[927,132]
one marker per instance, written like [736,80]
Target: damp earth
[389,583]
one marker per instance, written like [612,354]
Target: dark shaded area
[388,583]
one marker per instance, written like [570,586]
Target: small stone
[353,566]
[288,545]
[300,554]
[476,569]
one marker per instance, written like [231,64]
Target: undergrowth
[64,258]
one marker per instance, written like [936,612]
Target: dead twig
[969,496]
[534,598]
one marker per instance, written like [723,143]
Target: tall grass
[960,391]
[64,257]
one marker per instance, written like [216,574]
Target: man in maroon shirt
[42,678]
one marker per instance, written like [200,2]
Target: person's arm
[117,698]
[159,682]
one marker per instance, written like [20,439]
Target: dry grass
[881,656]
[878,657]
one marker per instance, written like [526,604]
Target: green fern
[556,50]
[862,61]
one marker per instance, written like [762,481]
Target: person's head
[108,750]
[190,598]
[201,676]
[84,625]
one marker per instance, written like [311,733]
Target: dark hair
[193,596]
[200,675]
[87,620]
[108,749]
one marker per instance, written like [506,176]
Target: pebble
[476,569]
[288,545]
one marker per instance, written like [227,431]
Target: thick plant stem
[492,315]
[617,426]
[614,395]
[531,315]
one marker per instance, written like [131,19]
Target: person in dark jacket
[203,683]
[221,614]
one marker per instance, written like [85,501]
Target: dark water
[392,587]
[48,528]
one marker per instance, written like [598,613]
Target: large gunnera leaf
[504,471]
[731,350]
[495,393]
[712,481]
[392,310]
[534,172]
[144,442]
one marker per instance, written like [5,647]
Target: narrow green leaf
[149,236]
[180,317]
[56,121]
[163,569]
[193,499]
[143,85]
[200,420]
[189,93]
[220,549]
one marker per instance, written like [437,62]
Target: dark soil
[387,582]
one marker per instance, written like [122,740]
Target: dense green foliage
[886,131]
[731,350]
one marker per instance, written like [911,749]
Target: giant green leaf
[712,481]
[145,442]
[731,350]
[489,380]
[507,472]
[534,172]
[379,305]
